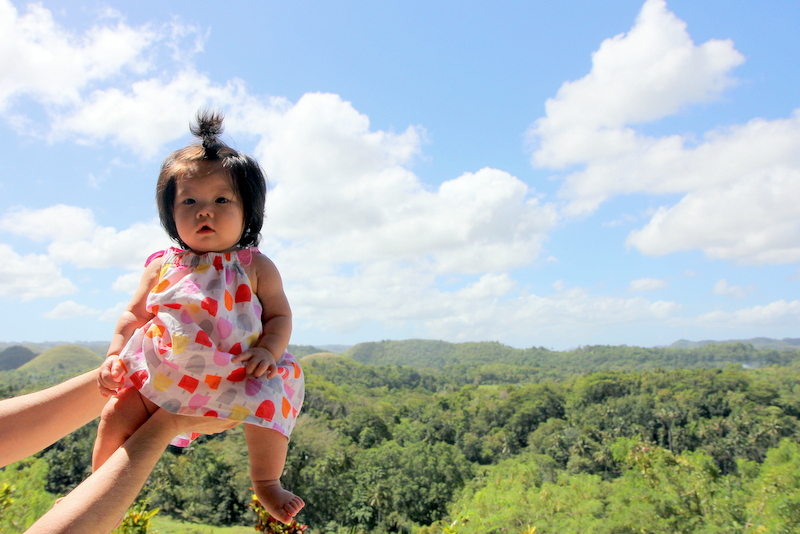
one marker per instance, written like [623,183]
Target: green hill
[66,359]
[15,356]
[326,358]
[490,358]
[762,343]
[299,351]
[423,353]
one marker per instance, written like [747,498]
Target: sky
[541,174]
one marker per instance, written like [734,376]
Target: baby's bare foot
[281,504]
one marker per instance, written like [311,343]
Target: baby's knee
[124,408]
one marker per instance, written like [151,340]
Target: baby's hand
[260,362]
[110,376]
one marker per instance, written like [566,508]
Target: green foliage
[776,492]
[206,482]
[6,497]
[138,519]
[485,438]
[489,362]
[28,500]
[266,523]
[70,460]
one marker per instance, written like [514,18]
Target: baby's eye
[222,200]
[188,201]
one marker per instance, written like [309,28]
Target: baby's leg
[267,449]
[121,417]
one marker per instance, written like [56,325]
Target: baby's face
[208,213]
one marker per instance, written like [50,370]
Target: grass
[166,525]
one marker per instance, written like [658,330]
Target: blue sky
[533,173]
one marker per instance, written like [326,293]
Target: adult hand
[201,425]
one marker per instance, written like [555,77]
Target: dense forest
[432,437]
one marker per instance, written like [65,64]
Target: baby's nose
[205,210]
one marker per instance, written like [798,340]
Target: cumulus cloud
[750,220]
[738,183]
[570,314]
[41,59]
[69,310]
[77,78]
[127,283]
[74,237]
[724,289]
[649,73]
[150,113]
[647,284]
[31,276]
[344,193]
[778,313]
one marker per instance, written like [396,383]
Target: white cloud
[647,284]
[649,73]
[492,307]
[30,277]
[42,59]
[70,309]
[112,315]
[724,289]
[127,283]
[775,314]
[56,223]
[76,77]
[572,314]
[75,237]
[344,193]
[150,113]
[739,183]
[752,220]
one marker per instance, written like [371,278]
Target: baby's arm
[276,317]
[134,316]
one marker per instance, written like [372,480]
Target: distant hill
[98,347]
[299,351]
[337,349]
[494,359]
[436,354]
[756,342]
[325,358]
[15,356]
[65,359]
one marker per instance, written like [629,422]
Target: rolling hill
[757,342]
[424,354]
[15,356]
[65,359]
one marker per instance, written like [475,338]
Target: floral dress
[205,312]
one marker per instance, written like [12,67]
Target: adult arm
[31,422]
[98,504]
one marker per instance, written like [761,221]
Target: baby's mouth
[205,229]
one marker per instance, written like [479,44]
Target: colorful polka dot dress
[206,313]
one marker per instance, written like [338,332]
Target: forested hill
[487,356]
[467,438]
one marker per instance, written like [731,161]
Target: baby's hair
[208,156]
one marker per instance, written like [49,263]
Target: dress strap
[246,255]
[153,256]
